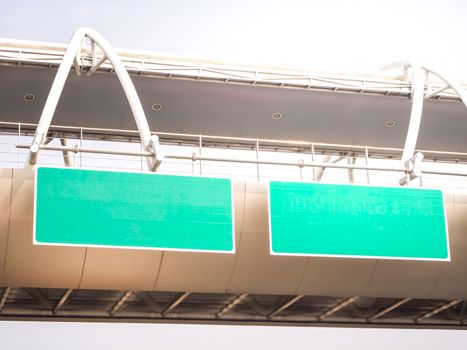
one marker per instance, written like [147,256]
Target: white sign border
[35,242]
[271,251]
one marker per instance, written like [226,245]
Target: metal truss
[27,53]
[389,308]
[145,306]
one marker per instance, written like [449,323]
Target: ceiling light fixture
[29,97]
[156,106]
[390,123]
[276,115]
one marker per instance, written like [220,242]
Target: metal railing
[29,53]
[243,158]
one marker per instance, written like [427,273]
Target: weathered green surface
[103,208]
[359,221]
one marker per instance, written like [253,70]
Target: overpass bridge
[252,125]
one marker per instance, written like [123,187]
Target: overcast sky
[116,336]
[357,35]
[334,35]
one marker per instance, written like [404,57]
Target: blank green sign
[133,210]
[357,221]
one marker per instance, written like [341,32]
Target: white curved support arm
[74,47]
[459,90]
[410,160]
[418,90]
[417,96]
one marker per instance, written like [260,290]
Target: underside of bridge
[143,306]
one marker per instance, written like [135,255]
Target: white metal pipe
[67,159]
[54,95]
[460,91]
[390,308]
[74,46]
[6,292]
[231,305]
[93,53]
[131,94]
[337,307]
[175,303]
[62,300]
[225,138]
[316,165]
[320,171]
[77,64]
[120,302]
[418,86]
[96,65]
[351,159]
[439,309]
[436,92]
[77,149]
[285,306]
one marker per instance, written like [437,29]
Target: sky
[120,336]
[326,35]
[329,35]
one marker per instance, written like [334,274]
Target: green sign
[133,210]
[357,221]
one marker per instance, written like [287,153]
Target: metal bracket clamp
[413,168]
[37,141]
[155,147]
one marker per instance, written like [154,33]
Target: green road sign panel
[133,210]
[357,221]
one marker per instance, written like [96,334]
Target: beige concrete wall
[251,270]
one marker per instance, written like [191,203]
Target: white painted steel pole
[150,142]
[418,88]
[54,96]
